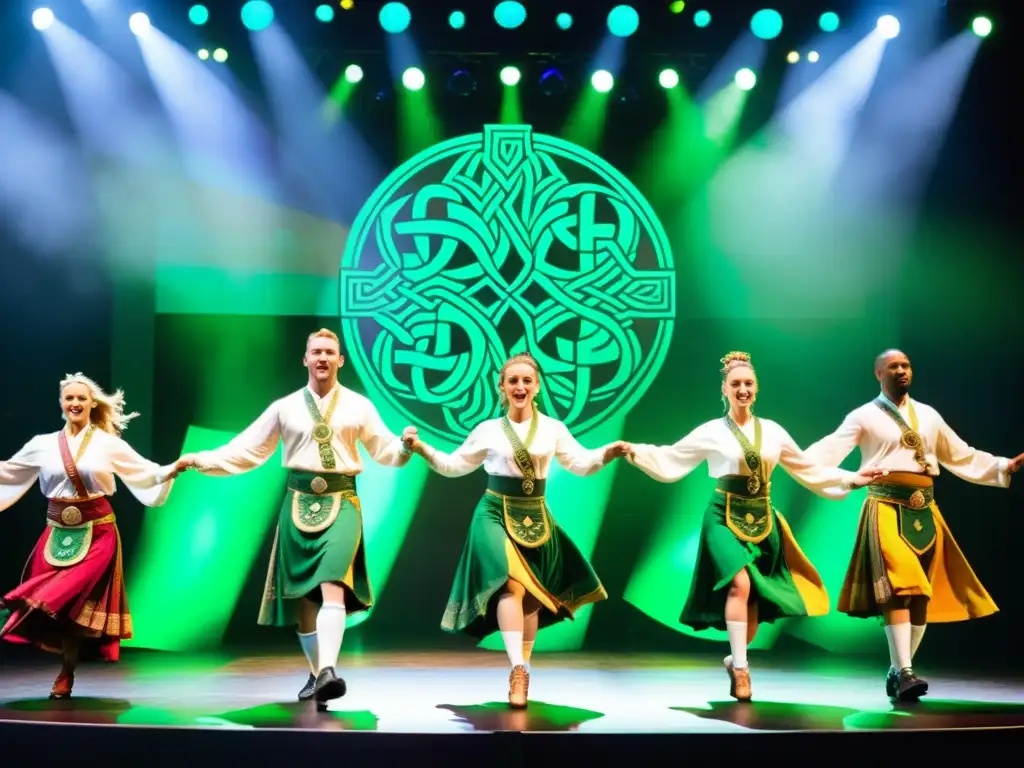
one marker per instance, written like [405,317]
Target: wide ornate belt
[501,485]
[737,485]
[320,482]
[69,513]
[903,495]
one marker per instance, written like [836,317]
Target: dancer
[750,569]
[317,573]
[519,571]
[906,565]
[72,595]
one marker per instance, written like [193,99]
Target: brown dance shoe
[740,684]
[518,687]
[63,684]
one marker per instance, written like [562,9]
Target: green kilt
[319,540]
[733,537]
[507,524]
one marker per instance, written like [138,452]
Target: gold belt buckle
[916,500]
[318,485]
[71,515]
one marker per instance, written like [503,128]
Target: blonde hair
[108,409]
[521,357]
[735,360]
[324,333]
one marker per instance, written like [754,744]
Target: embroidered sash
[70,464]
[910,438]
[751,454]
[521,450]
[322,432]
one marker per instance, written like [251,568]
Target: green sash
[521,450]
[322,432]
[910,438]
[751,454]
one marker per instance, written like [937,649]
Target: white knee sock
[527,650]
[737,643]
[916,634]
[513,646]
[330,628]
[898,636]
[309,647]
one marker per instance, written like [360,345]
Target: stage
[438,707]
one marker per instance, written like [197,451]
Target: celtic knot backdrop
[501,242]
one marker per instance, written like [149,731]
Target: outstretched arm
[462,461]
[582,461]
[833,449]
[19,473]
[671,463]
[245,452]
[382,444]
[969,463]
[148,481]
[829,482]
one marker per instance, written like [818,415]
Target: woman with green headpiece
[749,568]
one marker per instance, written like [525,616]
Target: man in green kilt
[317,573]
[906,565]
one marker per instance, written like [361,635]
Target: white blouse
[288,420]
[106,455]
[715,443]
[878,436]
[488,445]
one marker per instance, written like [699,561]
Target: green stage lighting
[199,15]
[746,79]
[395,18]
[413,78]
[982,26]
[677,6]
[220,55]
[510,75]
[766,24]
[668,78]
[829,22]
[602,81]
[702,18]
[623,20]
[324,13]
[509,14]
[257,15]
[457,20]
[563,20]
[203,53]
[353,73]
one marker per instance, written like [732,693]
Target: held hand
[865,476]
[616,450]
[1016,463]
[411,438]
[188,461]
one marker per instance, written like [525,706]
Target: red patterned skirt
[85,598]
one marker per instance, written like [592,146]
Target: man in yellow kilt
[906,565]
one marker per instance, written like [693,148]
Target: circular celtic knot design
[501,242]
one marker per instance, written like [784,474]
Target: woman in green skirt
[749,567]
[519,570]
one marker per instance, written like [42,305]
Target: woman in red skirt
[71,597]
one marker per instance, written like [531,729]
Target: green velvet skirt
[514,536]
[319,540]
[740,532]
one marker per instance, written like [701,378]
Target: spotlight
[353,73]
[623,20]
[677,6]
[889,26]
[413,78]
[746,79]
[461,82]
[220,55]
[510,76]
[395,18]
[199,15]
[702,18]
[457,20]
[563,20]
[509,14]
[813,57]
[668,78]
[138,23]
[552,82]
[766,24]
[203,53]
[793,57]
[257,15]
[347,5]
[324,13]
[42,18]
[981,26]
[829,22]
[602,81]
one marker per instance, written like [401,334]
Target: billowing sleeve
[833,449]
[829,482]
[246,451]
[147,480]
[19,473]
[574,457]
[969,463]
[464,459]
[381,443]
[671,463]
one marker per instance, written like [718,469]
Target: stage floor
[465,692]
